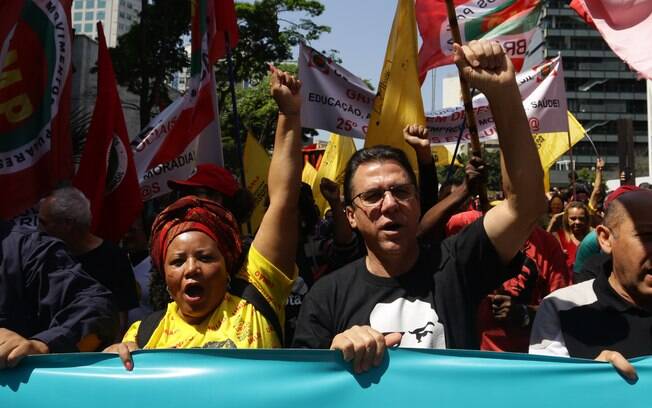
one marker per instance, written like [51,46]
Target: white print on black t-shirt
[416,319]
[298,292]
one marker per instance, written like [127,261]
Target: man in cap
[608,318]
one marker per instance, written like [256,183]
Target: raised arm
[486,67]
[596,193]
[433,221]
[342,232]
[417,137]
[277,236]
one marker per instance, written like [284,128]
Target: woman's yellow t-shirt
[235,323]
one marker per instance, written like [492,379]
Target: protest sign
[542,89]
[333,98]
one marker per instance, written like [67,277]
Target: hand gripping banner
[317,378]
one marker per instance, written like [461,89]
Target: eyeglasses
[374,197]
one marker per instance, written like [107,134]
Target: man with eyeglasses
[409,295]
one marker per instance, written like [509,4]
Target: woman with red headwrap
[195,245]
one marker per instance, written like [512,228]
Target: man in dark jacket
[48,304]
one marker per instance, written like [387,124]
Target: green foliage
[152,51]
[266,36]
[257,111]
[586,175]
[491,156]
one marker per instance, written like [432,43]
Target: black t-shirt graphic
[434,305]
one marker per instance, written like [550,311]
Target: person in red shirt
[505,318]
[575,226]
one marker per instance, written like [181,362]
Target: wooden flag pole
[236,117]
[476,149]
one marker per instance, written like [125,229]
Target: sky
[359,31]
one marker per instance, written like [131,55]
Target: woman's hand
[284,88]
[124,352]
[555,222]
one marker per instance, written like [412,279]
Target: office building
[117,17]
[600,89]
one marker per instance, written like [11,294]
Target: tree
[152,51]
[257,111]
[265,36]
[491,157]
[263,40]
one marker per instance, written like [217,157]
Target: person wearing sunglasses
[412,295]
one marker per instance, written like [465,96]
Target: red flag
[196,114]
[107,174]
[625,25]
[35,72]
[225,22]
[510,22]
[579,8]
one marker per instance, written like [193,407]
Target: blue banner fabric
[315,378]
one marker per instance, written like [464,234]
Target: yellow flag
[309,174]
[440,153]
[398,100]
[553,145]
[256,165]
[332,166]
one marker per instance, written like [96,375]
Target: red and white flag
[106,174]
[626,25]
[225,22]
[187,132]
[510,22]
[35,72]
[578,6]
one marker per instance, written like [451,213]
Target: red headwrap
[196,214]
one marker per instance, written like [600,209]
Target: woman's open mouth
[193,292]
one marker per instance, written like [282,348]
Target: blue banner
[314,378]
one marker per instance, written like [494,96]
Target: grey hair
[69,203]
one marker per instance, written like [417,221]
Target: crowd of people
[394,263]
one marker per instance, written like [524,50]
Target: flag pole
[572,163]
[476,149]
[236,117]
[234,105]
[449,173]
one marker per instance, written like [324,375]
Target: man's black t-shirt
[434,305]
[110,266]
